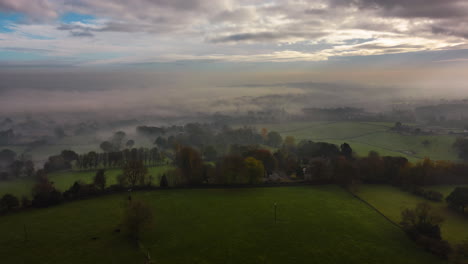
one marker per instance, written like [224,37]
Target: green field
[391,201]
[321,224]
[63,180]
[366,136]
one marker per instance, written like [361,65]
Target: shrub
[434,196]
[137,217]
[460,253]
[46,199]
[163,183]
[25,202]
[9,202]
[439,248]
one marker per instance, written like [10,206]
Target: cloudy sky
[230,43]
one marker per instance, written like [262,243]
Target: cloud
[36,10]
[409,9]
[147,31]
[267,36]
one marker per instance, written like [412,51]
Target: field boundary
[376,210]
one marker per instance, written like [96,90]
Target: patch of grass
[320,224]
[63,180]
[366,136]
[391,201]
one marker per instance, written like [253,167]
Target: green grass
[391,201]
[321,224]
[366,136]
[63,180]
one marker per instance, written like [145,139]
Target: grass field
[321,224]
[365,136]
[63,180]
[391,201]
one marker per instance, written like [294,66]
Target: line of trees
[14,166]
[115,159]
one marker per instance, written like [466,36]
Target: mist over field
[234,131]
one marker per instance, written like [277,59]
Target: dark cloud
[450,31]
[81,34]
[265,36]
[410,8]
[392,47]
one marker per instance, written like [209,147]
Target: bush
[460,253]
[45,199]
[427,194]
[163,183]
[80,190]
[9,202]
[25,202]
[137,218]
[434,196]
[439,248]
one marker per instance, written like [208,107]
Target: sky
[189,51]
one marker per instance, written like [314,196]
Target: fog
[130,92]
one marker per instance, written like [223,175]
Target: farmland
[322,224]
[367,136]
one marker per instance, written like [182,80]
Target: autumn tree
[137,218]
[100,179]
[254,170]
[189,161]
[274,139]
[134,172]
[421,221]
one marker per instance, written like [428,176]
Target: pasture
[65,179]
[366,136]
[319,224]
[391,201]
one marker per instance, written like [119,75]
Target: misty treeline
[13,165]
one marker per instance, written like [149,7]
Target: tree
[7,156]
[458,199]
[163,183]
[161,142]
[254,169]
[189,161]
[106,146]
[461,144]
[130,143]
[16,168]
[29,168]
[59,132]
[289,142]
[137,218]
[9,202]
[134,172]
[274,139]
[423,226]
[56,163]
[44,192]
[231,170]
[346,151]
[421,221]
[117,139]
[210,153]
[346,173]
[100,179]
[265,156]
[69,155]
